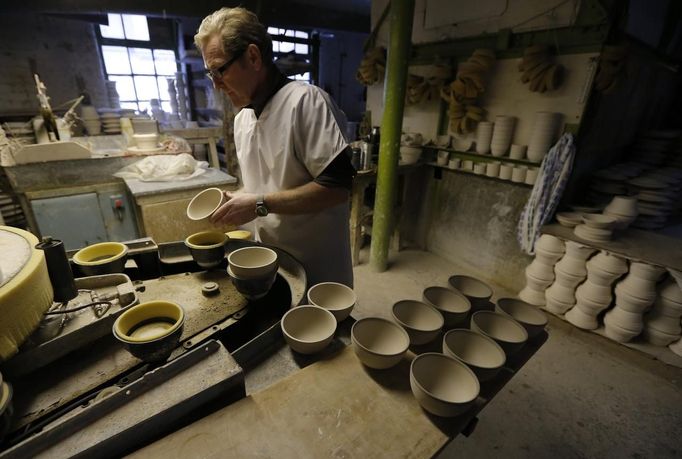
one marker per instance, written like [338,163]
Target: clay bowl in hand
[207,248]
[379,343]
[150,331]
[101,258]
[443,385]
[336,298]
[477,291]
[205,203]
[252,262]
[453,305]
[308,329]
[532,319]
[508,333]
[254,288]
[421,321]
[481,353]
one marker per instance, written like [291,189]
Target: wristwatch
[261,208]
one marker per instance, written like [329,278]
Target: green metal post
[401,15]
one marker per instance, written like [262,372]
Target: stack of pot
[634,295]
[540,273]
[662,322]
[594,295]
[569,272]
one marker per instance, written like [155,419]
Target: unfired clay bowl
[205,203]
[207,248]
[598,221]
[252,262]
[336,298]
[550,243]
[443,385]
[508,333]
[308,329]
[477,291]
[532,319]
[255,288]
[482,354]
[421,321]
[453,305]
[379,343]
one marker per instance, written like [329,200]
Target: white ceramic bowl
[646,271]
[477,291]
[410,155]
[379,343]
[252,262]
[146,141]
[623,205]
[336,298]
[443,385]
[561,293]
[609,263]
[532,319]
[205,203]
[569,219]
[671,291]
[580,319]
[629,302]
[421,321]
[508,333]
[532,296]
[599,221]
[453,305]
[658,337]
[628,320]
[481,353]
[308,329]
[550,243]
[540,271]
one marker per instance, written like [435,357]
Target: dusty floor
[580,396]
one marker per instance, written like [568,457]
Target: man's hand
[239,209]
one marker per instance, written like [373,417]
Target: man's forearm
[308,198]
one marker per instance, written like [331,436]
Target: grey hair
[237,28]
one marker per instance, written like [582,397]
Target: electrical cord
[78,308]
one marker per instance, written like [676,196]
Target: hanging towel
[552,178]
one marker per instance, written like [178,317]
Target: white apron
[298,134]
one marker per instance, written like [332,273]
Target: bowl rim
[505,317]
[478,281]
[77,257]
[207,190]
[457,362]
[345,287]
[486,338]
[307,306]
[410,327]
[524,305]
[206,247]
[252,247]
[450,290]
[380,319]
[130,340]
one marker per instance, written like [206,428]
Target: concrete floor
[581,395]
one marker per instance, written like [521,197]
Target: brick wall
[59,50]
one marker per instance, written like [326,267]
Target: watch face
[261,211]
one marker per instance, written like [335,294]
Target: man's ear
[254,57]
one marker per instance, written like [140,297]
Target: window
[293,46]
[137,66]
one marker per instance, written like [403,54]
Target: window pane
[146,87]
[145,106]
[116,59]
[275,46]
[165,62]
[300,34]
[273,30]
[163,88]
[136,27]
[114,29]
[124,87]
[131,105]
[290,33]
[301,49]
[142,61]
[285,47]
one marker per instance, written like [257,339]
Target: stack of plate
[544,134]
[608,183]
[20,131]
[658,196]
[596,228]
[111,120]
[91,120]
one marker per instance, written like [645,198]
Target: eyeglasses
[217,74]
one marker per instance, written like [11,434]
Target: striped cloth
[552,178]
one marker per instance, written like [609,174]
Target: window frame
[280,38]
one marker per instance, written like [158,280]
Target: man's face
[237,80]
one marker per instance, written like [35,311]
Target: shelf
[463,171]
[633,244]
[478,157]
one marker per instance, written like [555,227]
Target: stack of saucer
[657,196]
[91,120]
[111,120]
[596,228]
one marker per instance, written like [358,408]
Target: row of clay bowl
[445,384]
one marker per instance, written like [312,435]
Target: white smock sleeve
[318,131]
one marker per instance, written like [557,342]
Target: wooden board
[333,408]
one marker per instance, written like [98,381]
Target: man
[293,156]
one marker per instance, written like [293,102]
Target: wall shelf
[477,157]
